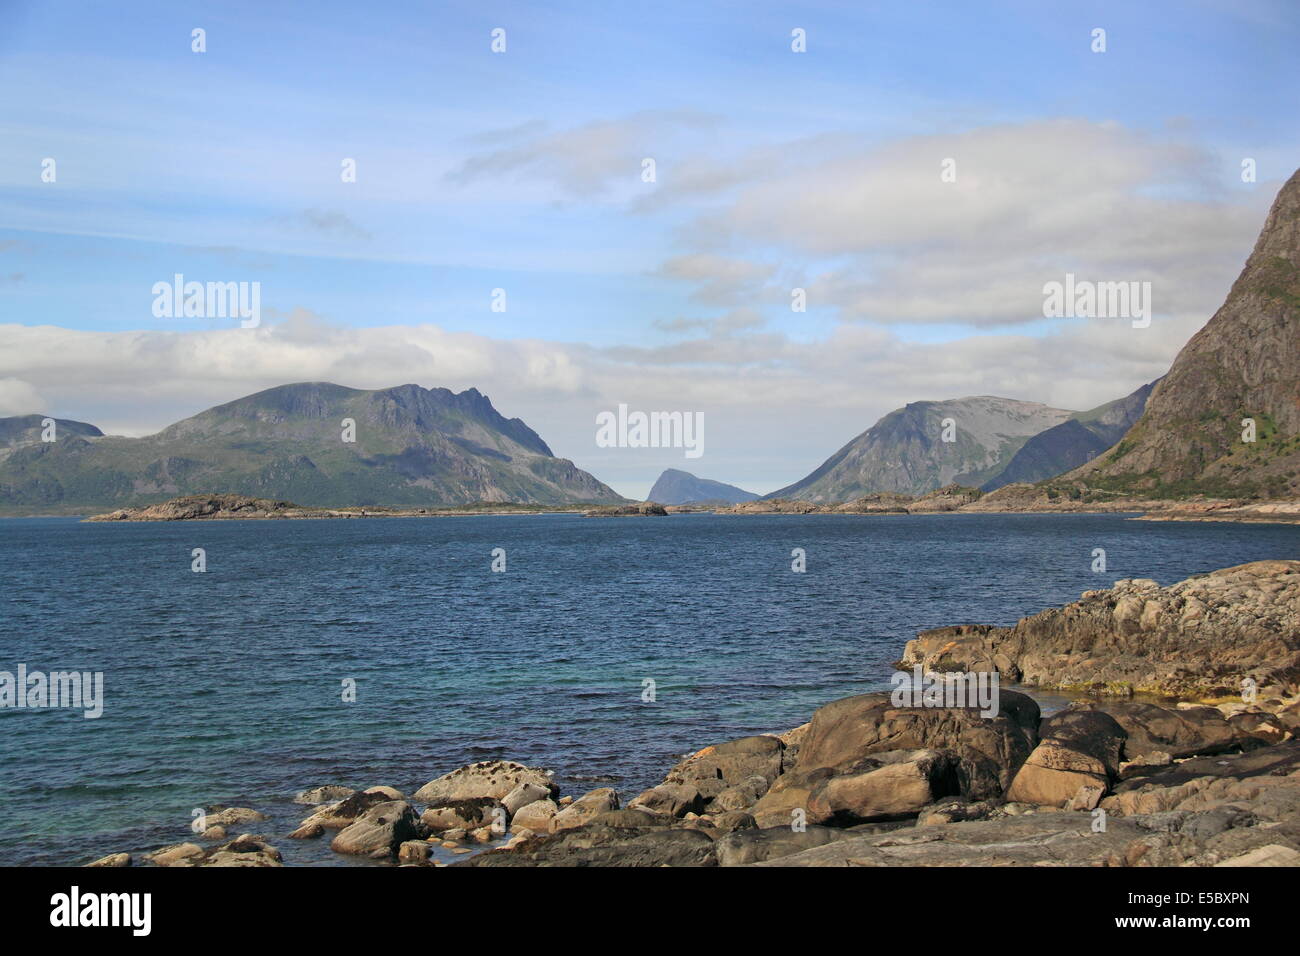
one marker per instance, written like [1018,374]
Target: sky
[919,170]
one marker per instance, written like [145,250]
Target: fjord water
[226,687]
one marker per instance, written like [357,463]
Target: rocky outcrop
[728,776]
[584,809]
[1078,750]
[200,507]
[598,845]
[536,817]
[488,778]
[469,814]
[246,850]
[937,751]
[329,793]
[948,498]
[379,831]
[644,509]
[1198,639]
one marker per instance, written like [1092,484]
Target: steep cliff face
[1244,364]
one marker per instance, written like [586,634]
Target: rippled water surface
[225,687]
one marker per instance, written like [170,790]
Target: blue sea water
[226,687]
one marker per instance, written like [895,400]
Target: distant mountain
[1075,441]
[676,487]
[1244,364]
[905,452]
[413,447]
[24,429]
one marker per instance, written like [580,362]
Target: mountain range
[412,446]
[1224,421]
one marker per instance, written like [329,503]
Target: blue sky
[522,171]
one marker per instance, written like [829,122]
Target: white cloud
[1029,203]
[18,397]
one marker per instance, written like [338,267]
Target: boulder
[329,793]
[380,830]
[580,812]
[414,851]
[741,847]
[886,786]
[719,778]
[467,814]
[630,818]
[989,750]
[1152,729]
[535,816]
[488,778]
[388,793]
[982,753]
[1080,750]
[245,850]
[733,820]
[179,854]
[113,859]
[605,846]
[523,795]
[1273,854]
[231,816]
[675,800]
[336,816]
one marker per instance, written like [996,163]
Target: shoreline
[1187,768]
[946,501]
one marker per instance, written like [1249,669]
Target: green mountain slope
[413,447]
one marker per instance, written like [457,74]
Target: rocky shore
[954,499]
[1034,499]
[246,508]
[1185,754]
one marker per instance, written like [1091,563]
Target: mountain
[1244,364]
[1075,441]
[904,451]
[413,447]
[681,487]
[23,429]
